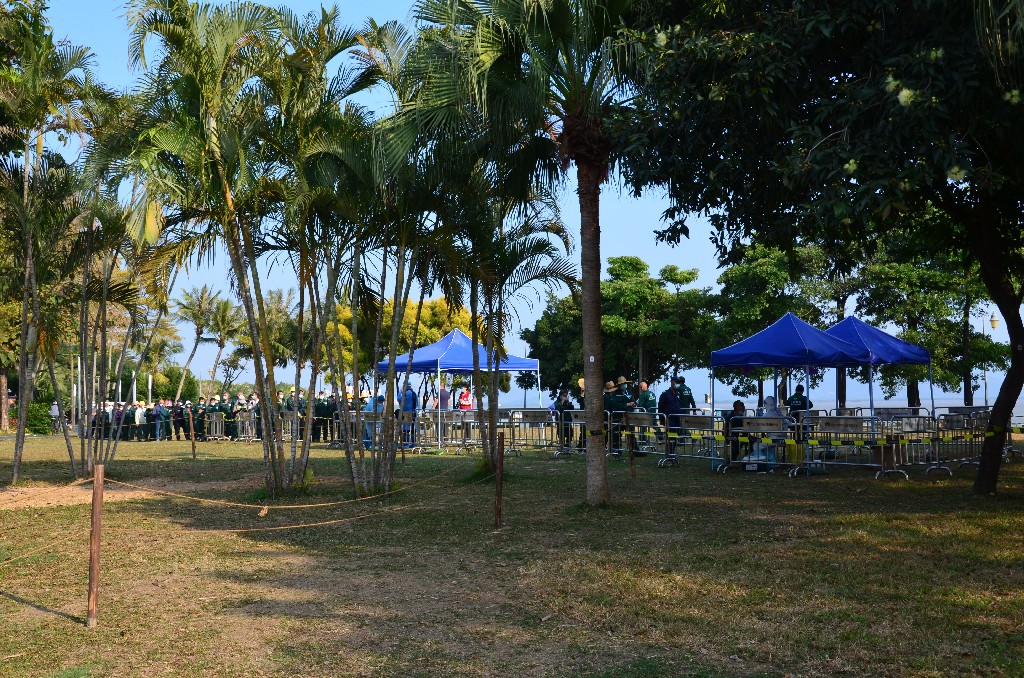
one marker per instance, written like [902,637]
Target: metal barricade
[290,425]
[463,430]
[842,441]
[215,426]
[644,432]
[694,436]
[915,442]
[764,444]
[959,441]
[246,423]
[532,428]
[571,433]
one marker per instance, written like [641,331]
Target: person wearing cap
[623,385]
[617,402]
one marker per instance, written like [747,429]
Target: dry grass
[686,574]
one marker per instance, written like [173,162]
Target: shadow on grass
[42,608]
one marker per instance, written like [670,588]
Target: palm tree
[201,149]
[42,94]
[536,70]
[226,323]
[195,307]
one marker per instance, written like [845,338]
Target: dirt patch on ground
[16,498]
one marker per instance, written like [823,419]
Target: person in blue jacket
[409,403]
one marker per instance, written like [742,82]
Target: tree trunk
[5,417]
[965,343]
[184,370]
[991,254]
[23,364]
[474,326]
[589,177]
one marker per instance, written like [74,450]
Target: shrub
[38,418]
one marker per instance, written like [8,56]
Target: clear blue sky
[627,224]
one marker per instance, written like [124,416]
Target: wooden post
[94,544]
[499,477]
[192,432]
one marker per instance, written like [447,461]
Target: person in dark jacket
[671,408]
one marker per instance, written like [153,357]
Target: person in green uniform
[227,407]
[322,418]
[199,418]
[686,400]
[798,401]
[617,401]
[646,402]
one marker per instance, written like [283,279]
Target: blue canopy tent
[454,354]
[884,349]
[788,342]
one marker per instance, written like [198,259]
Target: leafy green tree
[824,121]
[682,324]
[198,147]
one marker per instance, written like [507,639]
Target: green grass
[685,574]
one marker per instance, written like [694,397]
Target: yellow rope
[222,502]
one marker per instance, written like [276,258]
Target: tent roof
[885,349]
[790,342]
[454,354]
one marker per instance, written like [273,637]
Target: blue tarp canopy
[790,342]
[885,349]
[454,354]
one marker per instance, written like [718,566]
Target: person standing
[156,417]
[564,408]
[686,400]
[671,409]
[466,399]
[409,403]
[199,418]
[646,402]
[180,420]
[443,398]
[321,418]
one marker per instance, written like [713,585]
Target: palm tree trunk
[474,327]
[289,478]
[589,177]
[184,370]
[23,362]
[264,337]
[60,413]
[221,343]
